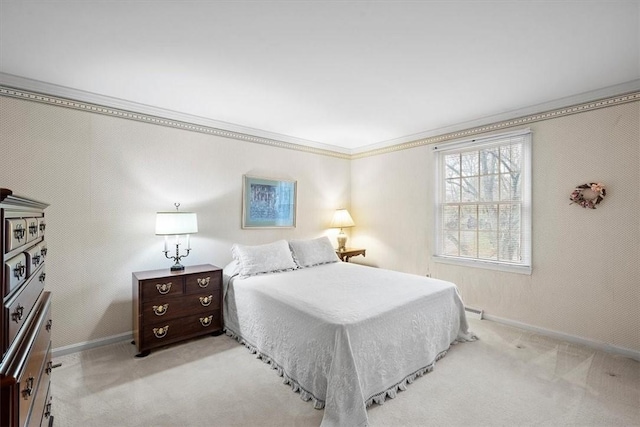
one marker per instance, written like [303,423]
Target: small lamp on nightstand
[176,224]
[342,219]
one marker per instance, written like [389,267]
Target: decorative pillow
[307,253]
[262,259]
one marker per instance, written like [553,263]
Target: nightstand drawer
[203,282]
[160,288]
[159,333]
[205,322]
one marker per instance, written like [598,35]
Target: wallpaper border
[183,125]
[160,121]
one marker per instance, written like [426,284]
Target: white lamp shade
[341,219]
[176,223]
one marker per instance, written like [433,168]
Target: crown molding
[47,93]
[601,98]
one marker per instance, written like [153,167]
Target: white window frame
[524,266]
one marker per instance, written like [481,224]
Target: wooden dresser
[174,306]
[25,323]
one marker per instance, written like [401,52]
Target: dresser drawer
[34,259]
[16,231]
[202,323]
[164,332]
[28,379]
[20,305]
[33,231]
[161,288]
[15,272]
[41,397]
[203,282]
[42,225]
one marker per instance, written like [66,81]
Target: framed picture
[268,203]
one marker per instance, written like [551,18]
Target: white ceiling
[349,74]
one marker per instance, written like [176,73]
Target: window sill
[489,265]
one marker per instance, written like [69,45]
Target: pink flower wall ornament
[588,195]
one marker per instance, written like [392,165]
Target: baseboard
[627,352]
[474,313]
[86,345]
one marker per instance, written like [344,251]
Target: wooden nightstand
[350,252]
[174,306]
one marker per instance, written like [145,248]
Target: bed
[342,335]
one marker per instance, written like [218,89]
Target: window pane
[468,244]
[509,233]
[470,163]
[452,165]
[451,218]
[452,190]
[488,217]
[487,245]
[510,158]
[468,217]
[489,188]
[470,189]
[450,243]
[489,161]
[510,187]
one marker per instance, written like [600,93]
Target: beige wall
[586,275]
[105,178]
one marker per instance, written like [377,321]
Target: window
[483,202]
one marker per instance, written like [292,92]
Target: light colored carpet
[509,377]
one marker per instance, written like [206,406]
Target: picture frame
[268,203]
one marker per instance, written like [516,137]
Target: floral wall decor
[588,195]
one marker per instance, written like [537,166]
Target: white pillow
[262,259]
[307,253]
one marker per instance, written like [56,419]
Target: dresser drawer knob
[160,310]
[49,325]
[206,301]
[161,332]
[33,229]
[43,226]
[16,316]
[43,252]
[19,270]
[28,388]
[163,288]
[49,367]
[203,283]
[35,260]
[42,276]
[206,321]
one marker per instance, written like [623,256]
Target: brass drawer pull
[206,321]
[203,283]
[16,316]
[42,276]
[161,332]
[35,260]
[49,325]
[18,233]
[43,226]
[206,301]
[28,388]
[47,410]
[43,252]
[160,310]
[49,367]
[19,270]
[33,229]
[163,288]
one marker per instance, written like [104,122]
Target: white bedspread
[346,335]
